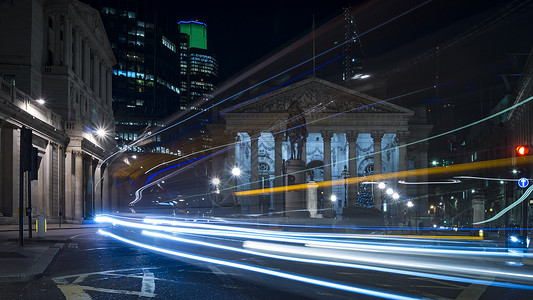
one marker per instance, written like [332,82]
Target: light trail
[409,173]
[332,263]
[323,251]
[296,277]
[508,208]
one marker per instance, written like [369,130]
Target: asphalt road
[91,266]
[94,267]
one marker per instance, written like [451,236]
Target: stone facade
[57,51]
[345,128]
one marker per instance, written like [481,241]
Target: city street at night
[353,149]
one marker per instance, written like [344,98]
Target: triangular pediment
[316,95]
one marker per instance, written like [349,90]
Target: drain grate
[11,255]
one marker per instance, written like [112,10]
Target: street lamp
[236,172]
[345,174]
[409,205]
[333,198]
[381,185]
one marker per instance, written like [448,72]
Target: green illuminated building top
[197,32]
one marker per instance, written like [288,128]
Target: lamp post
[215,181]
[409,205]
[345,174]
[236,172]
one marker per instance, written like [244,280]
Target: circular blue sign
[523,182]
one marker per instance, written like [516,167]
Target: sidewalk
[20,264]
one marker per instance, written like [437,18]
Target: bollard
[41,226]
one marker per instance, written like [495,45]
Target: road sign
[523,182]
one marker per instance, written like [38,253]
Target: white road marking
[148,283]
[76,291]
[473,291]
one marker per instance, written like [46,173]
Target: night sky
[240,33]
[475,40]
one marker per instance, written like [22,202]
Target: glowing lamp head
[333,198]
[381,185]
[410,203]
[390,191]
[395,196]
[100,132]
[236,171]
[40,101]
[215,181]
[522,150]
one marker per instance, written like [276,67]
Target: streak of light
[449,181]
[300,278]
[333,263]
[409,250]
[247,233]
[486,178]
[412,263]
[501,213]
[380,177]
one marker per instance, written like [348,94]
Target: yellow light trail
[402,174]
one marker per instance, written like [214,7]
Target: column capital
[77,153]
[326,134]
[280,137]
[253,134]
[351,135]
[377,135]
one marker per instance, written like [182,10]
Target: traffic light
[522,150]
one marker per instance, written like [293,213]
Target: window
[10,79]
[169,44]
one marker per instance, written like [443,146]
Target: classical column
[106,196]
[377,136]
[97,190]
[103,82]
[86,65]
[67,43]
[231,161]
[402,150]
[351,137]
[61,181]
[8,151]
[478,206]
[109,87]
[95,80]
[254,170]
[278,174]
[326,137]
[402,137]
[78,185]
[57,39]
[76,52]
[68,210]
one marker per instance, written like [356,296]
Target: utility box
[41,226]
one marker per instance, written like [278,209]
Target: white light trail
[300,278]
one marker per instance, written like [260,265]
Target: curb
[38,268]
[26,230]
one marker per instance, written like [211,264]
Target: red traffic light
[522,150]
